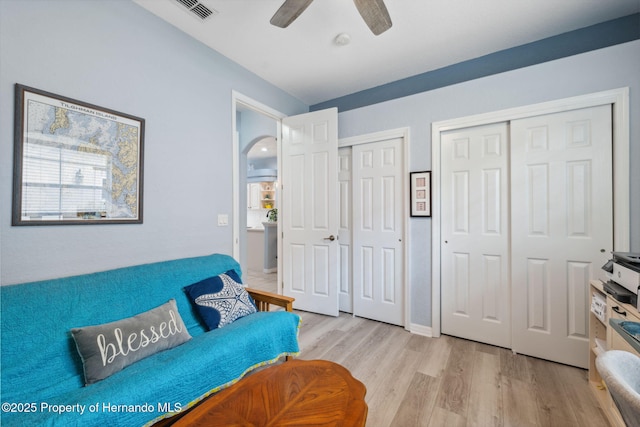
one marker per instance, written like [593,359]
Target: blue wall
[599,70]
[583,40]
[115,54]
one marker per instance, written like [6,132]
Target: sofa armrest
[264,299]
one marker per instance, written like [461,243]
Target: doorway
[262,195]
[254,125]
[394,289]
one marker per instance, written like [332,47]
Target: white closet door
[345,195]
[562,228]
[475,234]
[378,258]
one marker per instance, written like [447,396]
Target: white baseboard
[421,330]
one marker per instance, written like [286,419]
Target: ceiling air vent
[198,9]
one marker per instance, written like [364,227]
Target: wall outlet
[223,220]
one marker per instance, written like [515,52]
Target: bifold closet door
[378,251]
[345,196]
[475,234]
[561,228]
[527,222]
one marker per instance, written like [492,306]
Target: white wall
[609,68]
[115,54]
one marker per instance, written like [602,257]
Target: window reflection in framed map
[75,163]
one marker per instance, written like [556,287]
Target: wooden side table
[294,393]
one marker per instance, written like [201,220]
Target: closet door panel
[475,234]
[562,228]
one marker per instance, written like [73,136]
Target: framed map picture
[75,163]
[420,193]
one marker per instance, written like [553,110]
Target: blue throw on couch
[41,373]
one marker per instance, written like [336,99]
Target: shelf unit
[598,335]
[261,195]
[603,337]
[268,195]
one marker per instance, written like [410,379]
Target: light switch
[223,220]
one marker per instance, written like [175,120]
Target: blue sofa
[41,370]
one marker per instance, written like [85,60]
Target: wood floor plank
[316,325]
[519,403]
[419,343]
[486,348]
[375,358]
[584,405]
[514,365]
[386,400]
[319,347]
[485,397]
[456,381]
[352,340]
[553,405]
[312,324]
[436,356]
[418,402]
[441,417]
[318,334]
[378,363]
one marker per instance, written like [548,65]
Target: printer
[624,273]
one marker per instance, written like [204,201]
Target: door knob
[332,238]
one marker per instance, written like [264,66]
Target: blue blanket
[42,380]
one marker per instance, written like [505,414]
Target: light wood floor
[413,380]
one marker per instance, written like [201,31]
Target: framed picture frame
[74,162]
[420,183]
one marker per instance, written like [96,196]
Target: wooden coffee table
[294,393]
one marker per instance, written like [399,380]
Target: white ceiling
[426,35]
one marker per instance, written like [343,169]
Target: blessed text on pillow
[108,348]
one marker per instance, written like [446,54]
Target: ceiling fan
[374,13]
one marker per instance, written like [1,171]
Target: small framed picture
[420,193]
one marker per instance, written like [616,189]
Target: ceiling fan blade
[288,12]
[375,15]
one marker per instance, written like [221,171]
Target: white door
[475,234]
[378,274]
[344,229]
[562,228]
[309,216]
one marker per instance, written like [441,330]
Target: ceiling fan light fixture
[342,39]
